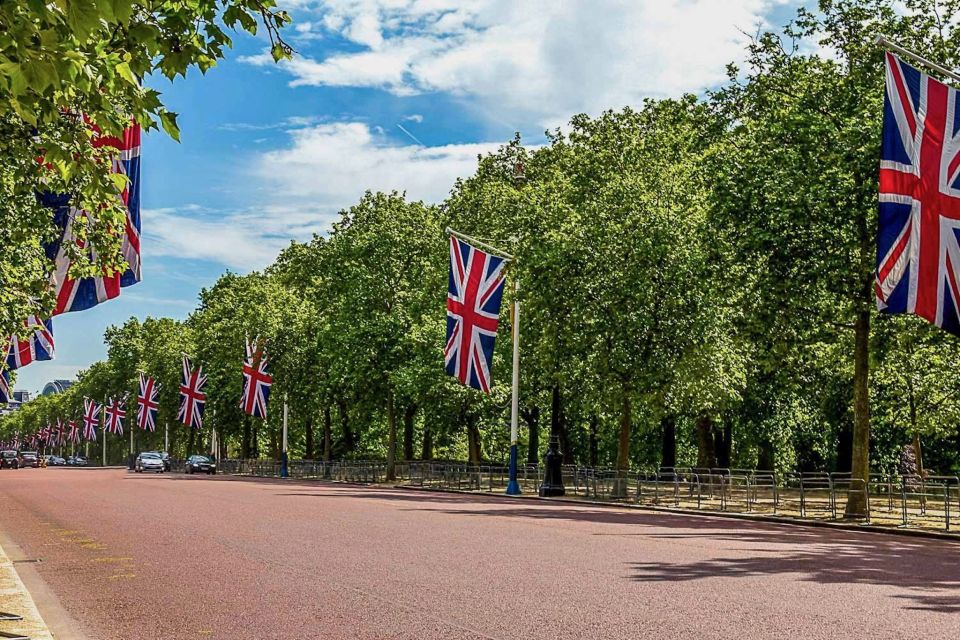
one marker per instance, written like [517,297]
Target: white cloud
[329,166]
[538,60]
[301,189]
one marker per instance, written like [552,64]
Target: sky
[382,95]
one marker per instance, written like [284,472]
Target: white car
[148,462]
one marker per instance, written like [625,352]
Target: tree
[70,57]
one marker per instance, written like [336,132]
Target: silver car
[148,461]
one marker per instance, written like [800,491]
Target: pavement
[173,556]
[16,599]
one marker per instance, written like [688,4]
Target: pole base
[513,488]
[284,470]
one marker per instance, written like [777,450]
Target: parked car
[201,464]
[9,460]
[77,461]
[54,461]
[166,460]
[148,461]
[29,459]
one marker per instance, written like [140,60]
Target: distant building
[19,399]
[56,386]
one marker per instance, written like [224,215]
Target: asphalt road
[173,556]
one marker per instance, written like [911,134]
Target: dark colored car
[29,459]
[200,464]
[9,460]
[76,461]
[166,460]
[55,461]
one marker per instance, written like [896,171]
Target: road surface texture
[173,556]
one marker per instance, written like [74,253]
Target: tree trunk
[558,425]
[531,415]
[327,435]
[706,449]
[722,443]
[918,452]
[668,442]
[193,435]
[427,452]
[244,444]
[391,439]
[255,445]
[860,463]
[619,489]
[346,433]
[308,438]
[473,440]
[593,426]
[408,417]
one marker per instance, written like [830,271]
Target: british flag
[192,397]
[6,391]
[113,414]
[77,295]
[73,432]
[256,381]
[35,342]
[147,404]
[91,418]
[918,243]
[474,292]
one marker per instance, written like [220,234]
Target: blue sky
[382,94]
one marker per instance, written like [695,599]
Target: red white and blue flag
[35,342]
[918,242]
[256,381]
[91,418]
[73,432]
[77,295]
[147,404]
[474,293]
[113,414]
[192,397]
[6,390]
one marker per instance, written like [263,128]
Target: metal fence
[931,502]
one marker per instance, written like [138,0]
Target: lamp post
[513,487]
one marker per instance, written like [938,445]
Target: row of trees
[695,278]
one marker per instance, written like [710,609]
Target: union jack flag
[34,343]
[113,414]
[192,397]
[6,391]
[73,433]
[474,292]
[91,418]
[918,243]
[77,295]
[147,404]
[256,381]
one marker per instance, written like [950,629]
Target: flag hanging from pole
[6,391]
[918,249]
[192,397]
[113,414]
[91,418]
[35,342]
[147,404]
[77,295]
[73,433]
[474,293]
[256,381]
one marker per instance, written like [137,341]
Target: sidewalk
[14,598]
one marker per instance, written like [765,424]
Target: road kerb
[14,598]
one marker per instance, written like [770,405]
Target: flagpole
[886,43]
[513,487]
[166,436]
[284,470]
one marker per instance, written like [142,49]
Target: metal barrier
[928,502]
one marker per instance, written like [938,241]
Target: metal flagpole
[104,434]
[166,437]
[513,487]
[284,470]
[886,43]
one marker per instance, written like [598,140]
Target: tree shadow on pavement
[926,571]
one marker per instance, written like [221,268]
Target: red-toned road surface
[140,557]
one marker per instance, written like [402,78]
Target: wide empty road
[173,556]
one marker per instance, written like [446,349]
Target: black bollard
[553,480]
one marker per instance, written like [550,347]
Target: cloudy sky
[384,94]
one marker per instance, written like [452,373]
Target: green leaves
[83,17]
